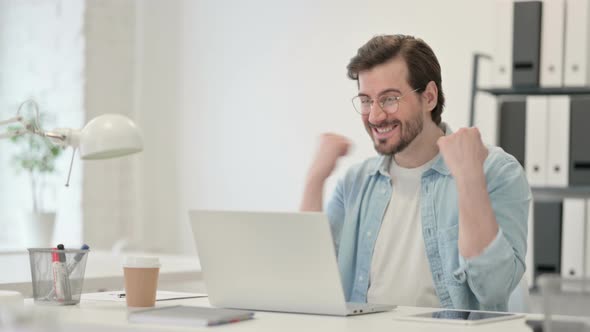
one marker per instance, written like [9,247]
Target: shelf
[551,193]
[536,91]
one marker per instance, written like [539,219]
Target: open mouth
[384,131]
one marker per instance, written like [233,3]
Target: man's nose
[376,115]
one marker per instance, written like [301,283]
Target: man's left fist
[463,152]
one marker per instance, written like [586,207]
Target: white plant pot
[39,228]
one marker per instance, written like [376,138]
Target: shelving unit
[553,205]
[535,91]
[518,91]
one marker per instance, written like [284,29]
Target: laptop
[272,261]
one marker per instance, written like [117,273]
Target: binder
[502,54]
[559,140]
[587,241]
[572,248]
[536,140]
[513,128]
[486,117]
[579,169]
[577,36]
[552,43]
[526,44]
[530,253]
[547,237]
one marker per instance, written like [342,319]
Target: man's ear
[430,95]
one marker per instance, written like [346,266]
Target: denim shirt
[484,282]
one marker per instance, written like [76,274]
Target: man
[437,219]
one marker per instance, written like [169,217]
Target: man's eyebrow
[388,91]
[362,94]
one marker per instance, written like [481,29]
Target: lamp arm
[13,134]
[63,136]
[11,120]
[60,137]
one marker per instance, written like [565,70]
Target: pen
[67,292]
[58,273]
[77,259]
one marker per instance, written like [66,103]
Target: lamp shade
[109,136]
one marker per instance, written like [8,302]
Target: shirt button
[361,278]
[369,234]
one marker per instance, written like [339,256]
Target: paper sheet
[119,296]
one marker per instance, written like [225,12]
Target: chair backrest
[519,300]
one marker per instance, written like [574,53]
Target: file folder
[486,117]
[526,44]
[558,143]
[577,36]
[573,229]
[536,139]
[547,237]
[579,169]
[513,128]
[530,253]
[552,43]
[502,54]
[587,240]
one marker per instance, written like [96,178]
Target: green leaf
[35,154]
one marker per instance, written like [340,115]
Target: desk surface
[101,315]
[103,270]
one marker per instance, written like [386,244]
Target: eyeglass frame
[372,101]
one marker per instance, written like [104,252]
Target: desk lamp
[106,136]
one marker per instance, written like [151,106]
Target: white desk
[91,316]
[103,271]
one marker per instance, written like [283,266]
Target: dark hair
[422,64]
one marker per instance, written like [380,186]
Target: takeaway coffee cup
[141,280]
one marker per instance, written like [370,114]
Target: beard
[409,130]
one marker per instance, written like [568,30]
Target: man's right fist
[332,147]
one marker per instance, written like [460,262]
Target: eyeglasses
[389,103]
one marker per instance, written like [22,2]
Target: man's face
[391,133]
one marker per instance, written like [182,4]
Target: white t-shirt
[400,273]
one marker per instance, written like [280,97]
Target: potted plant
[36,155]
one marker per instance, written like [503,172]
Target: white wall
[110,187]
[260,80]
[232,95]
[158,112]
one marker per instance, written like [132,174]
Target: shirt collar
[384,161]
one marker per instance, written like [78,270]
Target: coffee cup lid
[141,262]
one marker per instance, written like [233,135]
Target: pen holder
[57,275]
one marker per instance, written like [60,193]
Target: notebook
[188,316]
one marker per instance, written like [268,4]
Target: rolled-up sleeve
[335,210]
[493,274]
